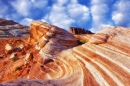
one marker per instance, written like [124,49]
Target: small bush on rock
[82,41]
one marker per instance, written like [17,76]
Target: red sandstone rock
[26,54]
[102,61]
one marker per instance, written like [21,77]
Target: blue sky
[89,14]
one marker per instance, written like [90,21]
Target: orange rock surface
[25,56]
[51,57]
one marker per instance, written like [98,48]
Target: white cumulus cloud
[99,10]
[21,6]
[59,17]
[121,13]
[66,13]
[29,8]
[26,21]
[40,4]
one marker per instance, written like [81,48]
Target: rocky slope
[103,61]
[24,56]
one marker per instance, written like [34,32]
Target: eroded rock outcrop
[4,22]
[25,56]
[79,31]
[12,36]
[102,61]
[50,39]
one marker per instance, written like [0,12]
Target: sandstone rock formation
[24,56]
[4,22]
[50,39]
[103,61]
[77,31]
[12,35]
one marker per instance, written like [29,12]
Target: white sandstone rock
[8,47]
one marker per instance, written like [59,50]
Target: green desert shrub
[15,58]
[82,41]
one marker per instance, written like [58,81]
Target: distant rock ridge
[79,31]
[4,22]
[11,29]
[50,56]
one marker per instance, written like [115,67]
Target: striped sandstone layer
[103,61]
[49,39]
[25,57]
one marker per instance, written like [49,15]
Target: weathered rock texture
[12,35]
[103,61]
[4,22]
[25,56]
[76,31]
[50,39]
[11,29]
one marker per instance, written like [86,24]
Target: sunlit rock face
[12,36]
[25,56]
[49,39]
[104,60]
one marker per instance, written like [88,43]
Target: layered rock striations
[25,56]
[12,35]
[50,39]
[102,61]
